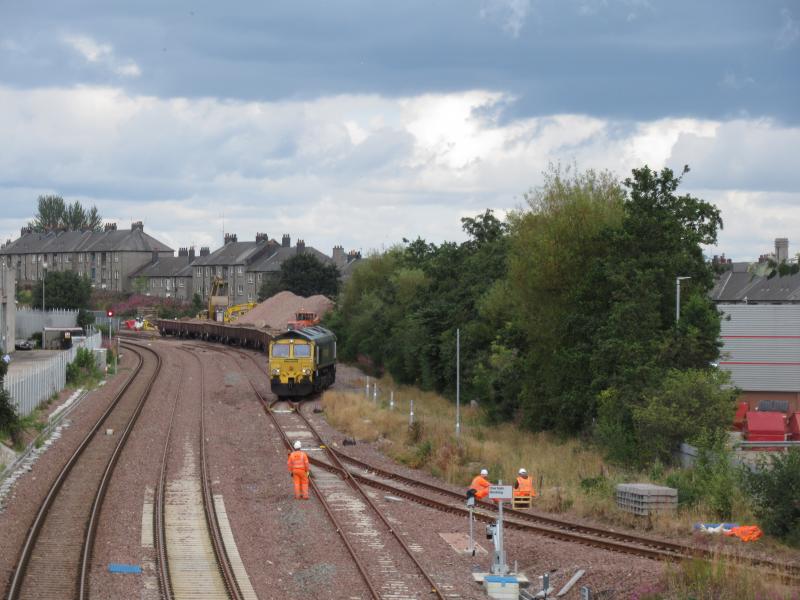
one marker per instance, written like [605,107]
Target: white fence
[30,321]
[29,389]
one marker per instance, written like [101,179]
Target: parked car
[25,345]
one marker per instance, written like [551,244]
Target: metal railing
[32,387]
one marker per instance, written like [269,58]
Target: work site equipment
[219,307]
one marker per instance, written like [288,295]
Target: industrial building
[761,351]
[107,257]
[8,309]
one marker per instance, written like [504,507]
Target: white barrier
[29,389]
[30,321]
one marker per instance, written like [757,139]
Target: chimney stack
[301,246]
[137,225]
[781,250]
[230,238]
[205,251]
[338,256]
[261,237]
[286,241]
[183,252]
[191,254]
[110,227]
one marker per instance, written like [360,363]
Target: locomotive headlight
[306,371]
[276,371]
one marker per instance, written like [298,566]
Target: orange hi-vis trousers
[300,478]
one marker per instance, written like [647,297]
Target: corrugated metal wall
[761,346]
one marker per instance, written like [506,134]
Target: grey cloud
[559,62]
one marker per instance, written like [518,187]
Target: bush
[9,420]
[83,369]
[85,318]
[775,489]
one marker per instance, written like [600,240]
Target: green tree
[637,342]
[775,489]
[555,247]
[53,213]
[197,304]
[688,405]
[305,275]
[63,289]
[140,285]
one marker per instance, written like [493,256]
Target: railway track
[608,539]
[56,556]
[191,554]
[363,550]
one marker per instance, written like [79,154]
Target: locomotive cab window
[302,351]
[280,350]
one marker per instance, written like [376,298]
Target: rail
[26,554]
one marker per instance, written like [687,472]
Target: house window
[208,271]
[250,297]
[199,271]
[116,274]
[181,283]
[80,258]
[219,271]
[68,258]
[116,257]
[249,278]
[167,283]
[152,283]
[240,289]
[240,270]
[258,278]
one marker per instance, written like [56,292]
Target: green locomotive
[302,362]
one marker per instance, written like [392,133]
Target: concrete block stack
[646,498]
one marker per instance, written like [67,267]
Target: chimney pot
[286,241]
[137,225]
[205,251]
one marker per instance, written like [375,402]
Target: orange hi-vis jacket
[524,487]
[298,461]
[481,486]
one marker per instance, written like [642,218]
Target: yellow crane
[218,304]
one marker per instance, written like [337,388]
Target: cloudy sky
[361,122]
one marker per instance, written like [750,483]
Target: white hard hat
[484,472]
[297,445]
[523,472]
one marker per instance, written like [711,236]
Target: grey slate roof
[272,262]
[175,266]
[737,286]
[124,240]
[233,253]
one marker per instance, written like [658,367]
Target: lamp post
[678,296]
[44,277]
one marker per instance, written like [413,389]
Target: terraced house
[107,258]
[167,277]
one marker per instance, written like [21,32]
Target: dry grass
[570,475]
[715,580]
[574,477]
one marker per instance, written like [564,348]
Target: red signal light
[110,313]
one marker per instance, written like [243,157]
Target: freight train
[302,362]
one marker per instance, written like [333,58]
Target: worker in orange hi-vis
[480,484]
[523,487]
[298,467]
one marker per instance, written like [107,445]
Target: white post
[391,400]
[375,392]
[366,389]
[458,382]
[411,415]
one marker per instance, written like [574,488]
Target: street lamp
[678,296]
[44,277]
